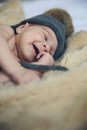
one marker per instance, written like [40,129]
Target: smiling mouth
[36,49]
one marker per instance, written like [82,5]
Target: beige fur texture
[57,102]
[76,52]
[11,12]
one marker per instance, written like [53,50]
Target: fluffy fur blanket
[57,102]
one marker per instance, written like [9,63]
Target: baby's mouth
[36,49]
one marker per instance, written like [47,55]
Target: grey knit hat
[54,24]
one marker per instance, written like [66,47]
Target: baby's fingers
[40,55]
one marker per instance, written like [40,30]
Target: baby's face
[34,39]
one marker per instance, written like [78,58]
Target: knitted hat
[54,24]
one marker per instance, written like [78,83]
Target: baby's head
[59,21]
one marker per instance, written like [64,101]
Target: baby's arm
[43,58]
[7,59]
[9,64]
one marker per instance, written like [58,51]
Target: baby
[38,40]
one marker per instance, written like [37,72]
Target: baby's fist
[45,58]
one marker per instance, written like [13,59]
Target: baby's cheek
[27,54]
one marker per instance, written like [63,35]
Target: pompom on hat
[54,24]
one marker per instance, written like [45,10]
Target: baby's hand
[45,58]
[25,76]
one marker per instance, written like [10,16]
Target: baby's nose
[46,48]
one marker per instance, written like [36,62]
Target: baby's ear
[21,28]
